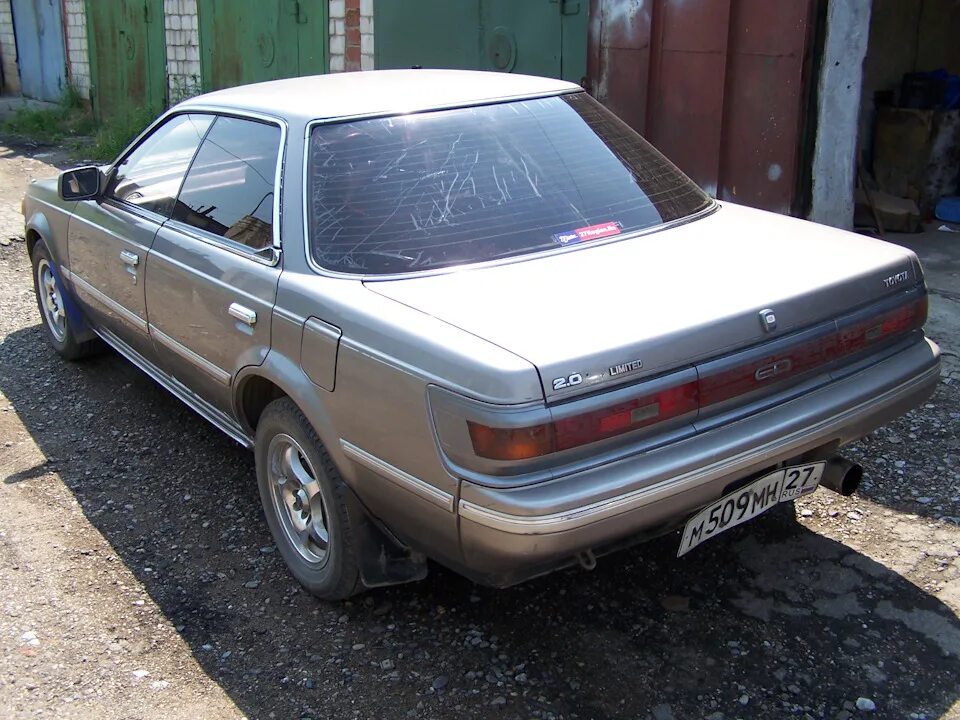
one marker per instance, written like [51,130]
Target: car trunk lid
[621,311]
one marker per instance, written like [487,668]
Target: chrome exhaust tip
[842,476]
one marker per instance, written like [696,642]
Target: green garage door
[245,41]
[536,37]
[127,56]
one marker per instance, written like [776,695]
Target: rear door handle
[129,258]
[243,314]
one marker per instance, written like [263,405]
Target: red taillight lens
[571,432]
[764,372]
[626,416]
[755,374]
[566,433]
[899,321]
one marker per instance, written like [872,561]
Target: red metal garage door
[718,85]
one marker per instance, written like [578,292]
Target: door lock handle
[243,314]
[129,258]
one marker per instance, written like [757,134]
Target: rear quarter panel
[388,356]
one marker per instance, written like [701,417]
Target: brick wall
[183,48]
[78,52]
[351,35]
[8,51]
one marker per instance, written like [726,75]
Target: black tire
[61,338]
[335,575]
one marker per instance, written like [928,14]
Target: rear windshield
[452,187]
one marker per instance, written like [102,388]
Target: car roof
[377,92]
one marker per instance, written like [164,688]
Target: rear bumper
[510,534]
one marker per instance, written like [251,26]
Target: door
[537,37]
[128,57]
[520,37]
[246,41]
[213,269]
[108,239]
[40,53]
[719,86]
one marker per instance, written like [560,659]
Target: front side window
[229,190]
[150,176]
[452,187]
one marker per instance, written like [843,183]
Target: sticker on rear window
[591,232]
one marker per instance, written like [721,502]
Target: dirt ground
[138,580]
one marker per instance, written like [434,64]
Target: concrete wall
[182,33]
[77,46]
[8,51]
[838,105]
[351,35]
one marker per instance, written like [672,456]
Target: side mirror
[81,183]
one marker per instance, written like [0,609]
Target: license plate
[749,501]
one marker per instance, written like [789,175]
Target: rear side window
[452,187]
[150,176]
[230,187]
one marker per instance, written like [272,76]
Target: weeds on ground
[72,125]
[68,119]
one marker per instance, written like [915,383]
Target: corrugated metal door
[39,31]
[718,85]
[128,56]
[245,41]
[537,37]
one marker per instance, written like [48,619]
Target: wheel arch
[32,237]
[37,228]
[384,559]
[256,386]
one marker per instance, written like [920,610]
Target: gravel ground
[137,580]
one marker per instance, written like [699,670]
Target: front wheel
[52,306]
[304,501]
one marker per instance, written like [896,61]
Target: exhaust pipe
[842,475]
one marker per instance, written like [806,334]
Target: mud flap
[384,559]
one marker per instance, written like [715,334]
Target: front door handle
[243,314]
[129,258]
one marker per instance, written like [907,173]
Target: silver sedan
[475,318]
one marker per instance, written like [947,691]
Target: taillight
[757,373]
[511,443]
[898,321]
[626,416]
[564,433]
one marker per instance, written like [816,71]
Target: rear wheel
[304,501]
[50,302]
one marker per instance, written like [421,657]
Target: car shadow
[771,620]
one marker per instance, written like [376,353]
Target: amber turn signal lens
[511,444]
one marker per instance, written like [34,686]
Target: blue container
[948,209]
